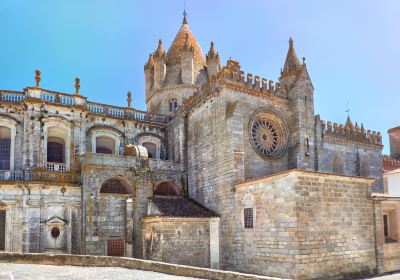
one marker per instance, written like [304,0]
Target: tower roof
[349,123]
[174,54]
[292,61]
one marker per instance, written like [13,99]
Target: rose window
[268,135]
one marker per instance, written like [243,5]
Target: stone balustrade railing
[70,100]
[39,175]
[11,96]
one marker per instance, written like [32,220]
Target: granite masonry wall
[175,240]
[307,226]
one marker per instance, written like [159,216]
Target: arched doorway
[114,217]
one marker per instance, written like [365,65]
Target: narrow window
[385,225]
[5,148]
[2,230]
[305,98]
[248,217]
[173,104]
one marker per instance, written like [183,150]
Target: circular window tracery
[269,135]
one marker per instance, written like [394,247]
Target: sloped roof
[178,206]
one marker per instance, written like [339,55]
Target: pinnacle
[160,49]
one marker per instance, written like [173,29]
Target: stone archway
[115,217]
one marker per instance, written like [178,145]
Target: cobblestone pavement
[395,276]
[50,272]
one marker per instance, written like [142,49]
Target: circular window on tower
[268,135]
[55,232]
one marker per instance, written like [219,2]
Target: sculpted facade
[224,170]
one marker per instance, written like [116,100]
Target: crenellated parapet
[233,76]
[390,163]
[349,133]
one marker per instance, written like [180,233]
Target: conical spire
[186,44]
[292,61]
[349,123]
[160,50]
[150,62]
[211,52]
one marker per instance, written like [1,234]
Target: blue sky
[352,48]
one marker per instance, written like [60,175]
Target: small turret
[149,75]
[213,61]
[292,63]
[187,75]
[159,66]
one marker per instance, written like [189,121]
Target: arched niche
[106,140]
[57,138]
[153,144]
[166,188]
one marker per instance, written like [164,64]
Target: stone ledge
[103,261]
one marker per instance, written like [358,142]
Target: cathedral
[224,170]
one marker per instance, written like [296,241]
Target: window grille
[166,188]
[2,230]
[5,147]
[115,186]
[116,248]
[248,217]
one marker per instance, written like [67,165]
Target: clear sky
[352,48]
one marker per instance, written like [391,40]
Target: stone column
[214,243]
[379,236]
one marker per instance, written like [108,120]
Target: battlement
[350,133]
[232,74]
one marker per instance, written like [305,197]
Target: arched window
[55,150]
[337,165]
[115,186]
[151,149]
[105,145]
[173,104]
[166,188]
[5,148]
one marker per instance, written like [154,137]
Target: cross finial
[348,109]
[184,13]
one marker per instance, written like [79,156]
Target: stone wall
[177,240]
[307,226]
[33,209]
[356,160]
[100,261]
